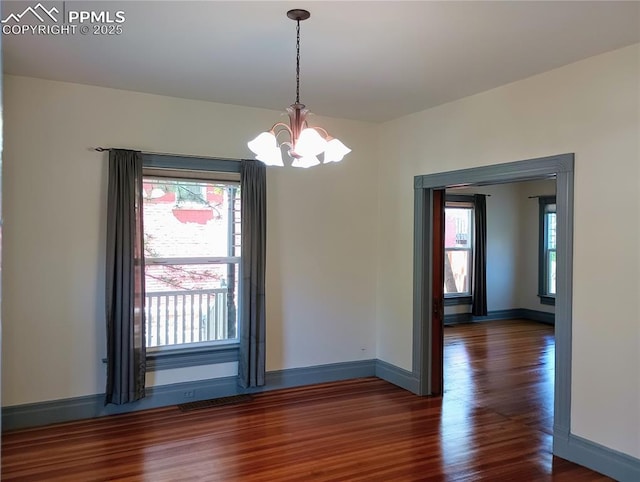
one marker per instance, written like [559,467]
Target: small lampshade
[265,142]
[310,143]
[335,151]
[266,149]
[272,157]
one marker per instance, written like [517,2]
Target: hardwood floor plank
[493,423]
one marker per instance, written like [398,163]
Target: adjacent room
[499,297]
[218,240]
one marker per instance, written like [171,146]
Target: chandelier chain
[298,62]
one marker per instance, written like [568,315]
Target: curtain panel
[253,191]
[479,295]
[126,353]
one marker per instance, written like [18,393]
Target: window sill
[457,300]
[165,358]
[547,300]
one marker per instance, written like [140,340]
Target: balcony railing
[177,317]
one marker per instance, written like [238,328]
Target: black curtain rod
[541,195]
[107,149]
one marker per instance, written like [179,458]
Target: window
[547,253]
[458,248]
[192,255]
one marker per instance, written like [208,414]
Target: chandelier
[306,142]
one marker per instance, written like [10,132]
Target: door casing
[425,335]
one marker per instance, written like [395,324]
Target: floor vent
[215,402]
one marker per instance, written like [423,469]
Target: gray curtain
[253,191]
[126,354]
[479,303]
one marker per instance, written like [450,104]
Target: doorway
[427,334]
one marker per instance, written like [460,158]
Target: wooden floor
[493,424]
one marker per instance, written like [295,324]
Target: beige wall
[340,238]
[590,108]
[529,221]
[321,234]
[503,246]
[512,245]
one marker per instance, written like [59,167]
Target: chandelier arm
[280,124]
[282,128]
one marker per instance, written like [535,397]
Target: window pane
[456,273]
[548,240]
[190,303]
[551,230]
[185,218]
[458,228]
[551,273]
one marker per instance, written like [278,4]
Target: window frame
[198,168]
[464,202]
[543,293]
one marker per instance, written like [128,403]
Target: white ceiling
[363,60]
